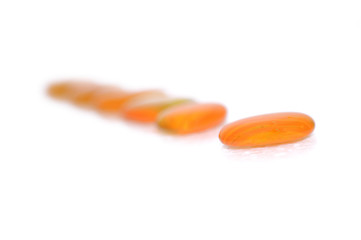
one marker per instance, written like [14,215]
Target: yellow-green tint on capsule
[148,111]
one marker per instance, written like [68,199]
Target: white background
[68,173]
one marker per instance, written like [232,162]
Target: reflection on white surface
[194,138]
[277,151]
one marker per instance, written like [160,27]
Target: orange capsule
[59,89]
[87,95]
[81,94]
[105,93]
[268,129]
[193,117]
[115,102]
[69,89]
[148,111]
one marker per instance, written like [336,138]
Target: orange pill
[190,118]
[115,102]
[105,93]
[268,129]
[69,89]
[148,111]
[59,89]
[87,95]
[81,94]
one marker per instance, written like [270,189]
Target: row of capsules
[184,116]
[177,115]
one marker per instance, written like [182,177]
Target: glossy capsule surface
[268,129]
[190,118]
[149,110]
[115,102]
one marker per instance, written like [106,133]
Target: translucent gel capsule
[268,129]
[69,89]
[81,94]
[86,96]
[104,94]
[59,89]
[115,102]
[190,118]
[148,111]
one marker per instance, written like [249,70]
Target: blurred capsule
[59,89]
[114,102]
[81,94]
[88,95]
[148,111]
[69,89]
[105,93]
[190,118]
